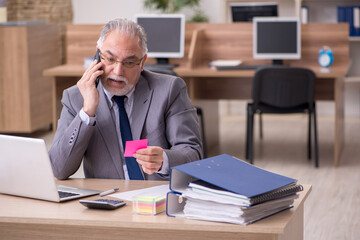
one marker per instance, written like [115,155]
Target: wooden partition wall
[235,41]
[205,42]
[81,42]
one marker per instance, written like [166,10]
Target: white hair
[127,27]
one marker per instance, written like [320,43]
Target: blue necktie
[131,164]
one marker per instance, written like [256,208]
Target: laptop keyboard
[67,194]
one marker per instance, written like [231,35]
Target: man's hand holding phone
[88,88]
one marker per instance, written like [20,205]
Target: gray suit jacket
[162,113]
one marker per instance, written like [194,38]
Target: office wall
[100,11]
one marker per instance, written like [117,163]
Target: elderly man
[128,103]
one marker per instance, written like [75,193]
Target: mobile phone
[103,203]
[97,57]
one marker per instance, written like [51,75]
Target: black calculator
[103,203]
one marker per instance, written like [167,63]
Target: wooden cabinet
[25,94]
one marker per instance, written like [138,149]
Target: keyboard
[151,67]
[67,194]
[239,67]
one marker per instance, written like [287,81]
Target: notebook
[25,170]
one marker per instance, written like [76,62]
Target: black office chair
[280,90]
[198,109]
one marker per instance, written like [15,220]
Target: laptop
[25,170]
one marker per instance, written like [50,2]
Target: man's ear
[143,62]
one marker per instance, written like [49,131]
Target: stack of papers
[213,211]
[230,207]
[226,189]
[208,190]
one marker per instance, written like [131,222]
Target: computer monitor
[276,38]
[165,35]
[244,12]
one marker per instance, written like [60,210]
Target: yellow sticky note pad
[149,204]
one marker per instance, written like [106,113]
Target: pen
[108,192]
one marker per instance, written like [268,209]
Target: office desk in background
[23,218]
[207,84]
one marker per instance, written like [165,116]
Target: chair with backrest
[199,111]
[282,90]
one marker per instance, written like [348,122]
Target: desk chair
[199,111]
[281,90]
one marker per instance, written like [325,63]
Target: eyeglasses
[108,60]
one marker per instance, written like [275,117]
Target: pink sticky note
[132,146]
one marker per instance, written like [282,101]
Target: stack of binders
[351,15]
[226,189]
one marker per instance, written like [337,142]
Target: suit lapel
[107,128]
[142,99]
